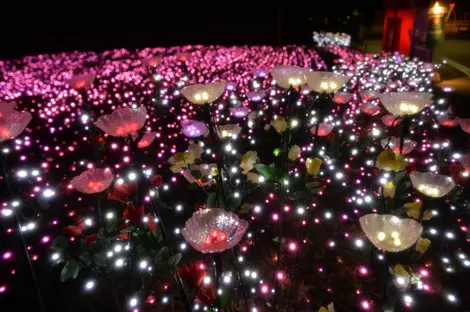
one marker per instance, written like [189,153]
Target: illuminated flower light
[388,190]
[279,124]
[390,120]
[227,131]
[289,76]
[230,85]
[465,161]
[214,230]
[388,160]
[147,139]
[370,108]
[81,81]
[13,124]
[368,95]
[325,82]
[180,161]
[465,124]
[432,184]
[342,97]
[256,96]
[152,61]
[405,103]
[448,120]
[123,121]
[93,181]
[394,144]
[239,112]
[313,165]
[260,72]
[200,94]
[194,128]
[324,130]
[206,170]
[6,108]
[389,232]
[248,161]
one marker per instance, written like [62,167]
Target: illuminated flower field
[232,179]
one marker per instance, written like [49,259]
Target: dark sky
[52,27]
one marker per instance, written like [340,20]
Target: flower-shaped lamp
[200,94]
[81,81]
[214,230]
[325,82]
[93,181]
[405,103]
[288,76]
[123,121]
[13,124]
[389,232]
[394,144]
[432,184]
[194,128]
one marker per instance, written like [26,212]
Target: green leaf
[111,225]
[267,171]
[398,177]
[312,185]
[302,194]
[211,200]
[60,243]
[70,270]
[99,259]
[277,151]
[268,187]
[234,202]
[193,186]
[245,208]
[174,260]
[196,174]
[205,179]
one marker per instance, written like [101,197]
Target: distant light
[89,285]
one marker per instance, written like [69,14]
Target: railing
[455,27]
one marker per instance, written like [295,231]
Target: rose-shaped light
[465,124]
[194,128]
[81,81]
[123,121]
[147,139]
[204,93]
[325,82]
[390,120]
[370,108]
[405,103]
[394,144]
[92,181]
[368,95]
[288,76]
[448,120]
[13,124]
[324,130]
[214,230]
[432,184]
[239,112]
[465,161]
[230,85]
[227,131]
[256,96]
[389,232]
[260,72]
[388,160]
[342,97]
[152,61]
[6,108]
[205,170]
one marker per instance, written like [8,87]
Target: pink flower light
[214,230]
[146,140]
[123,121]
[152,61]
[13,124]
[92,181]
[81,81]
[324,130]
